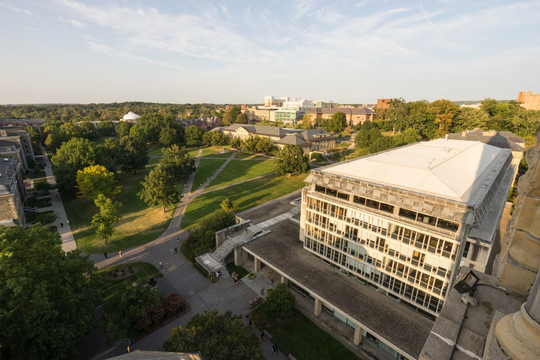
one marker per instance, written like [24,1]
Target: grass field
[112,287]
[243,196]
[130,231]
[206,168]
[299,336]
[239,170]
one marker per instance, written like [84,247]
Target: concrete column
[518,334]
[256,265]
[357,340]
[284,280]
[237,255]
[318,307]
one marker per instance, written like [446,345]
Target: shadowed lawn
[131,230]
[154,150]
[243,196]
[212,151]
[113,287]
[219,155]
[240,170]
[299,336]
[206,168]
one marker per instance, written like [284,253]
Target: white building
[405,220]
[130,117]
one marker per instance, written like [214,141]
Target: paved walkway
[62,222]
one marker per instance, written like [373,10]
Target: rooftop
[377,313]
[458,170]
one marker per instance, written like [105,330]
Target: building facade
[405,220]
[353,116]
[12,193]
[20,139]
[529,100]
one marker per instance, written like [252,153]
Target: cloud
[72,22]
[19,10]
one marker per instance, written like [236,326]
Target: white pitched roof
[453,169]
[131,116]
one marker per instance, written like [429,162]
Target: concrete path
[62,222]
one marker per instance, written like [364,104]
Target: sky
[195,51]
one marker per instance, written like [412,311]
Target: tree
[264,146]
[193,135]
[94,180]
[48,296]
[291,159]
[226,205]
[204,236]
[159,188]
[241,119]
[381,144]
[122,128]
[336,123]
[444,112]
[106,128]
[73,155]
[177,161]
[217,337]
[236,143]
[131,154]
[106,218]
[306,122]
[280,301]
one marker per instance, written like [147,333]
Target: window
[407,214]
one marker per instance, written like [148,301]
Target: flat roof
[396,323]
[458,170]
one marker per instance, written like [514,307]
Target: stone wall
[519,261]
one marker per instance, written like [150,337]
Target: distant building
[529,100]
[130,117]
[314,140]
[202,122]
[12,193]
[35,123]
[353,116]
[21,139]
[383,104]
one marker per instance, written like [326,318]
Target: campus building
[405,220]
[353,116]
[12,193]
[529,100]
[20,140]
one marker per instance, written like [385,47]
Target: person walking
[120,253]
[105,254]
[160,265]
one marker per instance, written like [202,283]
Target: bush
[173,304]
[42,185]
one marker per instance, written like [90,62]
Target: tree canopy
[217,337]
[159,188]
[280,301]
[291,160]
[106,218]
[177,161]
[48,296]
[193,135]
[94,180]
[73,155]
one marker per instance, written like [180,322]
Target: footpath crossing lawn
[240,170]
[206,168]
[244,195]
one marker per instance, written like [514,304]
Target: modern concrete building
[12,193]
[405,220]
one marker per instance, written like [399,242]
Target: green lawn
[131,230]
[243,196]
[206,168]
[219,155]
[299,336]
[239,170]
[154,150]
[192,151]
[144,272]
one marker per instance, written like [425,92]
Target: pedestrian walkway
[62,222]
